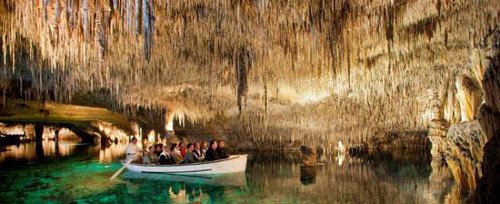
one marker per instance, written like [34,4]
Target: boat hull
[233,164]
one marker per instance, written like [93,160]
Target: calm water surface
[70,172]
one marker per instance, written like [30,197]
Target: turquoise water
[80,173]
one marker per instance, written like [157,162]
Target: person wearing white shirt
[132,149]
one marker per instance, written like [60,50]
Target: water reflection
[308,174]
[112,152]
[33,151]
[179,188]
[50,148]
[271,177]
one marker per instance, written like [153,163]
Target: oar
[121,169]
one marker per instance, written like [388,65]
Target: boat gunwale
[232,157]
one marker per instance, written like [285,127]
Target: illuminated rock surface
[373,74]
[330,69]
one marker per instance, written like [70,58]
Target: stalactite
[128,14]
[85,19]
[243,64]
[213,55]
[136,16]
[148,24]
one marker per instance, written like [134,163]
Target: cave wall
[280,71]
[488,187]
[469,146]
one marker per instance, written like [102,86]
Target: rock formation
[278,72]
[488,189]
[437,136]
[464,153]
[319,72]
[309,156]
[470,148]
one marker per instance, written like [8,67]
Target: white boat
[233,164]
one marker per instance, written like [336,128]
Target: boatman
[132,150]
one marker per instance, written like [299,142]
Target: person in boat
[221,150]
[158,149]
[165,157]
[132,150]
[150,157]
[212,151]
[182,148]
[204,147]
[190,158]
[198,153]
[175,153]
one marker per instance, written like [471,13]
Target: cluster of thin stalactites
[328,67]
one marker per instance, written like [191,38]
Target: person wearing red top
[182,147]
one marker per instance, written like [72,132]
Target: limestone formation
[469,96]
[308,156]
[464,153]
[279,71]
[437,137]
[488,190]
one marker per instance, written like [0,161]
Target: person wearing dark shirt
[221,150]
[158,149]
[212,152]
[165,157]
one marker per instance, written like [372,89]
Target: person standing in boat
[190,158]
[221,150]
[175,153]
[198,153]
[212,151]
[165,157]
[132,150]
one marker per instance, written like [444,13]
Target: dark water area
[71,172]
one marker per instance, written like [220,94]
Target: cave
[352,80]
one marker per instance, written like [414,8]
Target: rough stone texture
[469,97]
[437,136]
[109,130]
[464,153]
[388,140]
[471,148]
[488,189]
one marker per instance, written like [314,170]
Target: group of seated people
[179,153]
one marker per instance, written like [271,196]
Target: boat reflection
[234,179]
[184,188]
